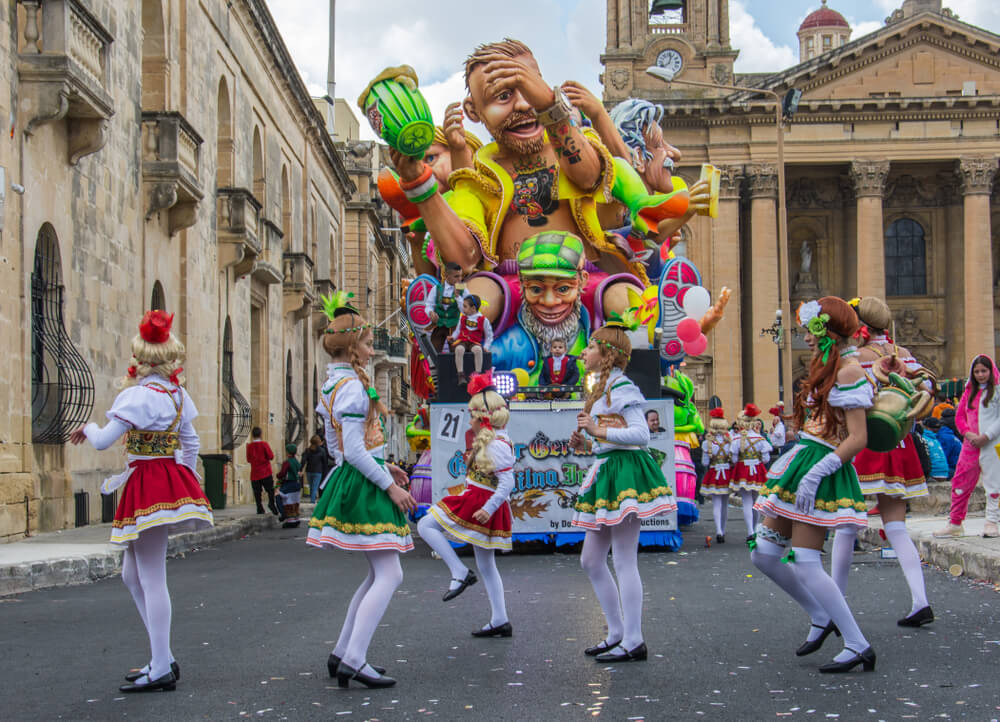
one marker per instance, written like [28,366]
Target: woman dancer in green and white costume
[363,504]
[623,486]
[814,487]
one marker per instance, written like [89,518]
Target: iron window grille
[62,386]
[235,412]
[158,301]
[295,420]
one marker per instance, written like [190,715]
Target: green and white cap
[552,253]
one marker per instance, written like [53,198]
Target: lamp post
[777,333]
[783,107]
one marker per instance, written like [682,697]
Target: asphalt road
[255,619]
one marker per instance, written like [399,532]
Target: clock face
[671,60]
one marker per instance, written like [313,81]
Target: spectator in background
[947,435]
[939,462]
[259,457]
[314,463]
[942,403]
[653,421]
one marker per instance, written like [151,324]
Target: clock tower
[690,37]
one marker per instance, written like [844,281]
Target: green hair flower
[817,325]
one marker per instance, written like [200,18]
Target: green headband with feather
[338,304]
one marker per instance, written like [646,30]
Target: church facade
[890,162]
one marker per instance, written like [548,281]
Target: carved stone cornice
[732,179]
[762,179]
[869,177]
[976,175]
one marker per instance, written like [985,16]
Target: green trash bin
[216,478]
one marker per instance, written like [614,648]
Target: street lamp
[784,107]
[777,333]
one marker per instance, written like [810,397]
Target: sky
[566,36]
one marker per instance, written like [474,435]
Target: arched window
[295,422]
[62,387]
[224,139]
[905,259]
[286,210]
[259,184]
[234,414]
[158,301]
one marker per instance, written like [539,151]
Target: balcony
[297,284]
[400,395]
[381,340]
[63,72]
[171,156]
[265,267]
[397,347]
[237,215]
[322,287]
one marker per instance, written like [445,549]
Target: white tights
[749,498]
[621,604]
[144,572]
[432,533]
[720,509]
[367,607]
[906,553]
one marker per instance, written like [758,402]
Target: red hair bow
[480,382]
[132,371]
[717,413]
[863,334]
[155,326]
[175,376]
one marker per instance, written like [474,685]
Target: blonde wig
[491,409]
[163,359]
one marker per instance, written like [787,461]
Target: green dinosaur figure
[687,420]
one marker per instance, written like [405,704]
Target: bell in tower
[674,9]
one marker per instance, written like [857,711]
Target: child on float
[892,477]
[473,333]
[480,515]
[750,452]
[160,493]
[978,420]
[624,485]
[814,488]
[716,458]
[363,505]
[559,368]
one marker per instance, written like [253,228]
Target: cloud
[758,53]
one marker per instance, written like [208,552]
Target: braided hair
[487,406]
[614,347]
[343,335]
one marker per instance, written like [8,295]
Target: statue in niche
[805,280]
[806,256]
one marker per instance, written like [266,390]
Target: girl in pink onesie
[978,421]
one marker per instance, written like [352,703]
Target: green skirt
[622,482]
[839,501]
[356,515]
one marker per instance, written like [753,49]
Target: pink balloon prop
[696,347]
[688,330]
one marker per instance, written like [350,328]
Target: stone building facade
[165,154]
[890,162]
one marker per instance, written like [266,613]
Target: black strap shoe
[638,654]
[166,683]
[346,673]
[867,658]
[501,630]
[918,618]
[601,647]
[333,661]
[174,667]
[810,647]
[720,538]
[470,579]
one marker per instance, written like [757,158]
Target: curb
[946,554]
[29,576]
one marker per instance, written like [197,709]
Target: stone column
[869,184]
[727,341]
[763,291]
[976,176]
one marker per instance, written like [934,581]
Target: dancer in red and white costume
[716,458]
[480,515]
[161,492]
[750,452]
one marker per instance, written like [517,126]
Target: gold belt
[152,443]
[487,480]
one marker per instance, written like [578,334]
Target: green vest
[446,307]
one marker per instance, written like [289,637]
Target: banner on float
[547,472]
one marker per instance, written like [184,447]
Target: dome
[824,18]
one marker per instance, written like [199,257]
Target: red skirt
[159,492]
[895,473]
[746,478]
[716,481]
[454,514]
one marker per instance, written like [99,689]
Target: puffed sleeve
[734,449]
[859,395]
[351,409]
[190,443]
[332,442]
[502,456]
[127,412]
[764,448]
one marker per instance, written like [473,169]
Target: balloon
[688,330]
[696,347]
[696,302]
